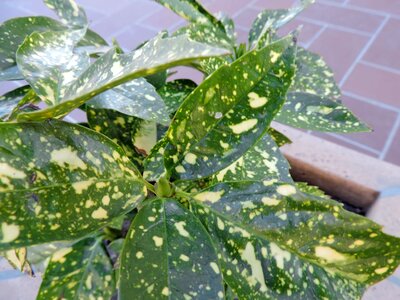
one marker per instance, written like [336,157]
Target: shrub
[194,172]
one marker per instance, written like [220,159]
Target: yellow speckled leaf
[61,181]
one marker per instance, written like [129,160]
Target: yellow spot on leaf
[10,232]
[158,241]
[181,229]
[243,126]
[209,196]
[381,270]
[165,291]
[190,158]
[100,213]
[257,273]
[59,256]
[215,267]
[329,254]
[67,156]
[184,257]
[80,186]
[286,190]
[8,171]
[270,201]
[256,101]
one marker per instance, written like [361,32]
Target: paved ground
[360,39]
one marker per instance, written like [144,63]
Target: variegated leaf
[263,161]
[277,242]
[61,181]
[229,27]
[136,98]
[113,69]
[175,92]
[14,31]
[116,126]
[69,12]
[314,76]
[271,20]
[313,99]
[206,34]
[314,112]
[192,11]
[82,271]
[168,255]
[11,99]
[136,136]
[279,138]
[226,114]
[49,63]
[153,165]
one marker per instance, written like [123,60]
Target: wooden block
[351,176]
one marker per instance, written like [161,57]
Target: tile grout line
[363,51]
[379,66]
[390,138]
[371,101]
[357,8]
[333,26]
[316,36]
[354,143]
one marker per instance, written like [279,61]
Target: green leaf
[11,73]
[61,181]
[229,27]
[192,11]
[136,98]
[207,34]
[117,126]
[277,242]
[14,31]
[263,161]
[272,20]
[136,136]
[158,80]
[313,99]
[279,138]
[314,76]
[313,112]
[226,114]
[113,69]
[174,92]
[48,62]
[168,254]
[69,12]
[82,271]
[11,99]
[153,165]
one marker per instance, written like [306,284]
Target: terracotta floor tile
[386,48]
[374,83]
[307,33]
[186,72]
[343,143]
[242,35]
[123,18]
[273,4]
[227,6]
[162,19]
[379,119]
[393,154]
[388,6]
[339,49]
[344,17]
[134,36]
[246,17]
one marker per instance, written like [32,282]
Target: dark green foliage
[174,190]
